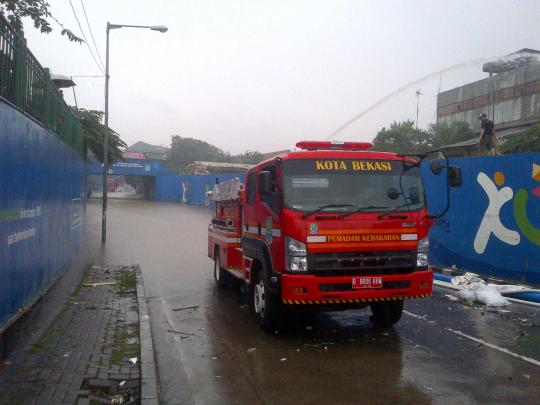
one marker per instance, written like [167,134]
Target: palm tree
[94,134]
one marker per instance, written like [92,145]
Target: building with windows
[510,95]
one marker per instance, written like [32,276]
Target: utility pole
[105,145]
[418,94]
[159,28]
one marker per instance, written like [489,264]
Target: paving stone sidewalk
[84,356]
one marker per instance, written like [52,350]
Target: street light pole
[105,144]
[160,28]
[418,94]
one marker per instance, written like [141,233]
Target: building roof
[221,165]
[146,148]
[500,134]
[525,56]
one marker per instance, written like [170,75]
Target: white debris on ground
[469,281]
[489,296]
[474,288]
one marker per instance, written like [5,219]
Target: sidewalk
[84,356]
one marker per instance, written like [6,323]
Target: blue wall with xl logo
[42,206]
[493,225]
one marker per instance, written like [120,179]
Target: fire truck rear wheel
[265,304]
[386,314]
[220,274]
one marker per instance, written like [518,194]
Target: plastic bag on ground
[467,295]
[488,296]
[491,297]
[473,288]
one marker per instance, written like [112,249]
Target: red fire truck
[333,225]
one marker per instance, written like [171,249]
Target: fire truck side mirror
[454,172]
[265,183]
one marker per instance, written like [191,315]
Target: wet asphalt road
[326,358]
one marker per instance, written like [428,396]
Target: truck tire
[266,305]
[386,314]
[220,274]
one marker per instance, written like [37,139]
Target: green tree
[528,141]
[94,135]
[185,151]
[248,157]
[447,134]
[402,137]
[38,11]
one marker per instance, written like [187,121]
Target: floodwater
[215,353]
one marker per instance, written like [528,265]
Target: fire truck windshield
[349,185]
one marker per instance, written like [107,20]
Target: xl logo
[491,222]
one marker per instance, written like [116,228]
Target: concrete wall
[511,98]
[42,205]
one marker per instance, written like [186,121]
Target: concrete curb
[149,380]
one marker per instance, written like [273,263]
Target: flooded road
[210,349]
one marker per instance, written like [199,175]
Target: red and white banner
[133,155]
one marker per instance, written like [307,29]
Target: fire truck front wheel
[265,304]
[220,274]
[386,314]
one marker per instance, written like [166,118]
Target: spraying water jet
[401,89]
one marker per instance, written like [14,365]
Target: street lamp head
[113,26]
[160,28]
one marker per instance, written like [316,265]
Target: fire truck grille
[362,263]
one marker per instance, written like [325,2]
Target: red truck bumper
[310,289]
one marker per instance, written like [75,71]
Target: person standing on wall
[488,142]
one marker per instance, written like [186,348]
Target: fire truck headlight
[297,263]
[422,253]
[296,259]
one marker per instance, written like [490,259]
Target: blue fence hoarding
[189,189]
[42,206]
[133,167]
[169,186]
[493,225]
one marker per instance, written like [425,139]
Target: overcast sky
[261,75]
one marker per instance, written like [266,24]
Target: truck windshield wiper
[360,209]
[393,211]
[323,207]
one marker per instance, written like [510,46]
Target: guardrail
[28,86]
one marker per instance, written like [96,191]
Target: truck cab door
[249,221]
[268,213]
